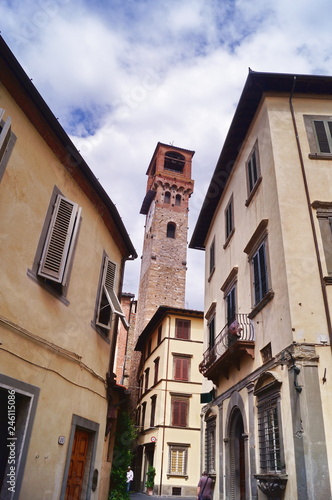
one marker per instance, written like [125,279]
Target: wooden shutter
[321,135]
[182,329]
[179,412]
[60,240]
[181,368]
[5,133]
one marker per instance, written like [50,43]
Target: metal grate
[176,491]
[269,438]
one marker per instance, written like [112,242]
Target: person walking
[204,487]
[130,477]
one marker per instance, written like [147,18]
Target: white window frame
[178,455]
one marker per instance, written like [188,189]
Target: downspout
[306,188]
[166,384]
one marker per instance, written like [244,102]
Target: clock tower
[164,258]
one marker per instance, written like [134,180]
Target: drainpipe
[306,188]
[166,385]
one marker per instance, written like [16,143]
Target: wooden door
[77,465]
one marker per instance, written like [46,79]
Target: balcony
[233,342]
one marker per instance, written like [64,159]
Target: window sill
[253,191]
[229,237]
[171,474]
[47,287]
[320,156]
[328,280]
[258,307]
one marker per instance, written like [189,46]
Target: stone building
[169,337]
[265,225]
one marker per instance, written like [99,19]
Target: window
[54,255]
[182,329]
[257,250]
[181,367]
[210,447]
[259,265]
[267,390]
[324,215]
[149,347]
[156,370]
[153,410]
[180,409]
[231,305]
[212,330]
[174,161]
[319,133]
[253,173]
[143,414]
[167,197]
[178,200]
[160,330]
[178,459]
[146,385]
[7,141]
[107,301]
[212,260]
[229,219]
[171,230]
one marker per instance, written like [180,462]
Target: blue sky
[122,75]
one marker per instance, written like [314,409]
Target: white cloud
[122,76]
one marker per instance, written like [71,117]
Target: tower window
[171,230]
[178,200]
[174,161]
[167,197]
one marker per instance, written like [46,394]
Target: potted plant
[150,479]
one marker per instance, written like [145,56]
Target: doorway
[237,457]
[77,465]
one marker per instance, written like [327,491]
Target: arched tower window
[167,197]
[171,230]
[178,200]
[174,161]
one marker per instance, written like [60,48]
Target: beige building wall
[293,323]
[155,441]
[51,356]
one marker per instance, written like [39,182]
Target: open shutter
[108,301]
[5,132]
[60,240]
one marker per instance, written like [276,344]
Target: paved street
[145,496]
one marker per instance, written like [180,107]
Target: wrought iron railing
[240,329]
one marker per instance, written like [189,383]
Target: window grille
[269,436]
[178,460]
[210,447]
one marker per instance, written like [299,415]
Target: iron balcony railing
[241,329]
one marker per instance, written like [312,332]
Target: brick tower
[164,258]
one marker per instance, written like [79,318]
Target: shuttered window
[180,408]
[323,130]
[182,329]
[253,171]
[178,460]
[60,241]
[260,275]
[181,368]
[7,141]
[108,302]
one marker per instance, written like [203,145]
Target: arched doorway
[237,457]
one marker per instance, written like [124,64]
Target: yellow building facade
[266,229]
[169,405]
[63,248]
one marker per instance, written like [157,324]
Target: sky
[123,75]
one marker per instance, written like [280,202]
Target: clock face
[149,217]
